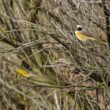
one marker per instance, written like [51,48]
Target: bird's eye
[79,28]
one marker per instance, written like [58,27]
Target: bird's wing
[86,33]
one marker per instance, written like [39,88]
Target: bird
[83,35]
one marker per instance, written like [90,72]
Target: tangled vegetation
[43,66]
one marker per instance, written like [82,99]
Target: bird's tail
[98,41]
[91,38]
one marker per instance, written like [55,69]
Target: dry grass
[62,73]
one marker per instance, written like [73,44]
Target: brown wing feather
[86,33]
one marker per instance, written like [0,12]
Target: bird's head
[79,28]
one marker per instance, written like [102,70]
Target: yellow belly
[83,37]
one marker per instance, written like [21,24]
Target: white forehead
[79,26]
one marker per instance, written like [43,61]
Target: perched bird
[83,35]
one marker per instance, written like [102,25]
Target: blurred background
[43,66]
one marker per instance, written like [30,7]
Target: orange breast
[80,36]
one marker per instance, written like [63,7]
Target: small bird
[83,35]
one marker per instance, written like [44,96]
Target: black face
[79,28]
